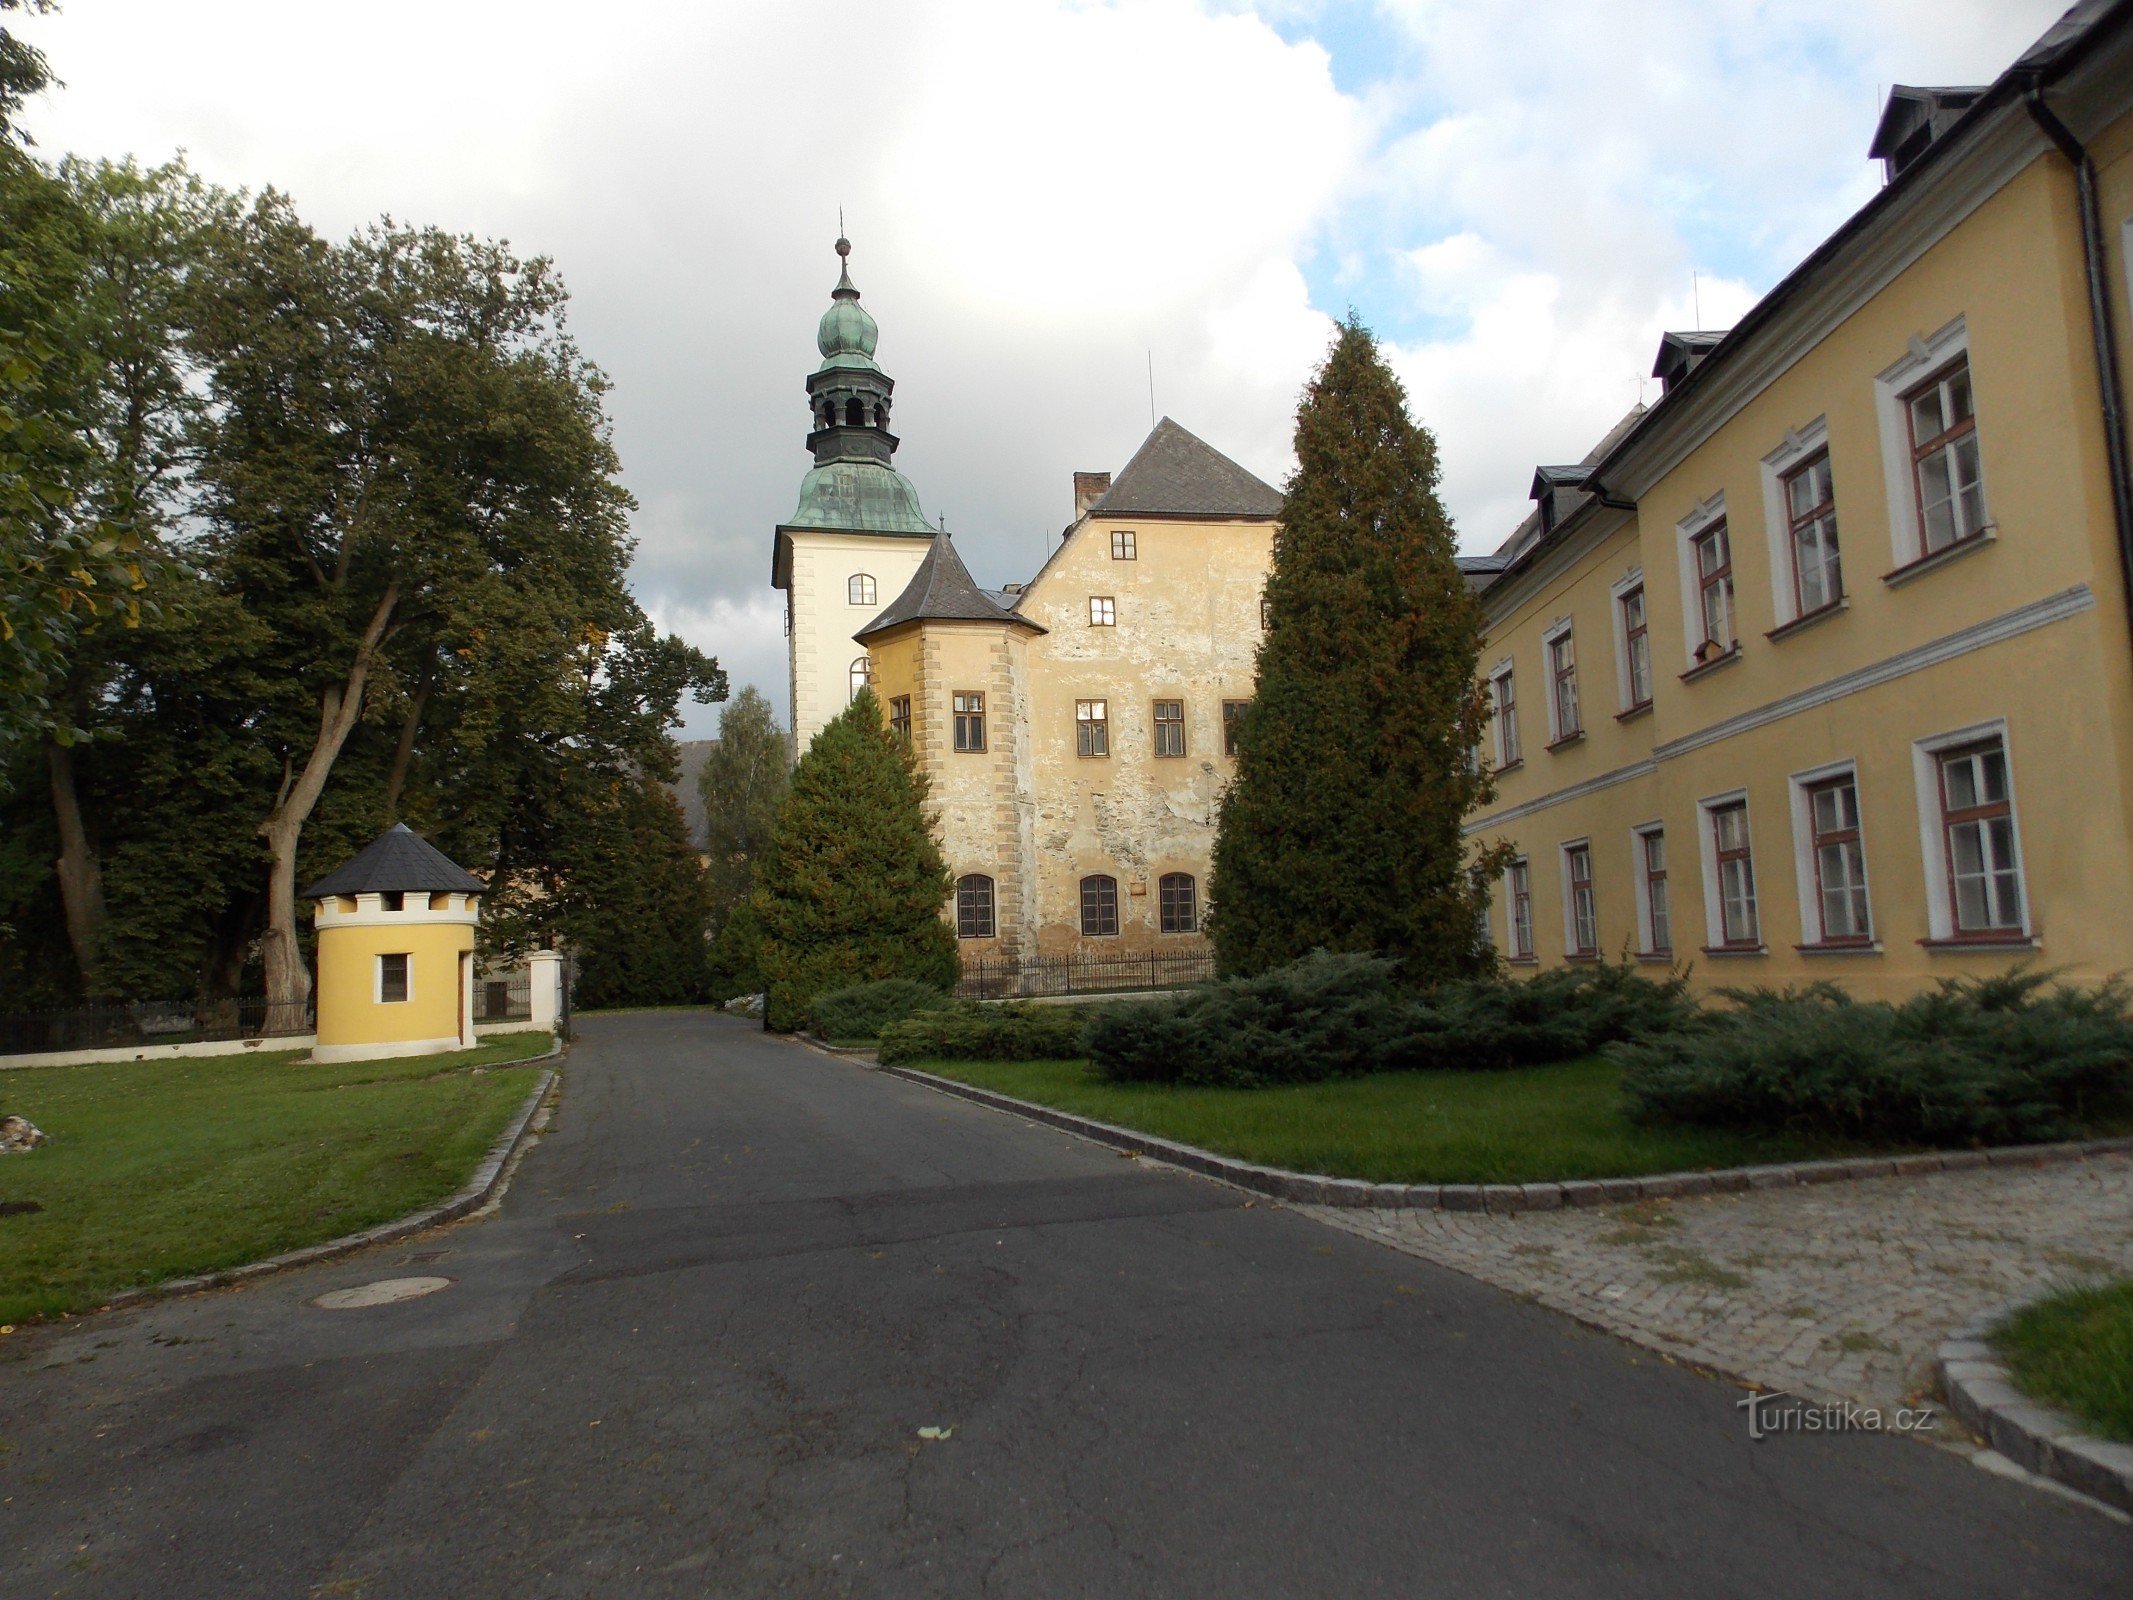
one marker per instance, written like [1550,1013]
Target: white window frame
[1699,520]
[377,978]
[1572,949]
[1806,881]
[1714,920]
[1925,773]
[1514,951]
[1925,356]
[1505,668]
[1801,446]
[1641,884]
[1556,632]
[1625,693]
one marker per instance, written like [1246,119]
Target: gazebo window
[392,978]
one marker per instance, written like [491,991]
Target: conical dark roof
[398,861]
[941,590]
[1175,474]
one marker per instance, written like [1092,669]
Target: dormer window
[1682,353]
[1913,120]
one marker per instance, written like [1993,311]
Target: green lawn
[1526,1126]
[2074,1350]
[167,1168]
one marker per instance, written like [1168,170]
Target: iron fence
[1035,976]
[505,999]
[138,1024]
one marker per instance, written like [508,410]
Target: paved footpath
[1834,1291]
[694,1352]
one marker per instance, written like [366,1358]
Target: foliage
[1984,1060]
[1371,653]
[737,955]
[635,904]
[862,1010]
[160,1169]
[22,68]
[743,783]
[1335,1016]
[2074,1350]
[1001,1031]
[852,886]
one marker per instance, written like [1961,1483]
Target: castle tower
[858,535]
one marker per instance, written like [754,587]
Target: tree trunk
[340,705]
[81,874]
[404,753]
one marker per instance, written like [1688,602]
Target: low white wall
[161,1052]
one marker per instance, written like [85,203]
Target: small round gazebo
[395,951]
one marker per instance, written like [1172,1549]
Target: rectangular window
[1099,906]
[973,907]
[1177,905]
[1518,890]
[392,978]
[1944,458]
[1170,727]
[1637,647]
[1658,913]
[1103,611]
[1092,728]
[1266,613]
[1977,825]
[1738,926]
[1584,924]
[1123,545]
[1714,589]
[900,716]
[1504,687]
[1811,513]
[969,720]
[1563,682]
[1839,861]
[1232,714]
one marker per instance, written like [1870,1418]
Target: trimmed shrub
[862,1010]
[966,1031]
[1557,1015]
[1977,1060]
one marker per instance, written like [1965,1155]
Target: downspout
[2100,325]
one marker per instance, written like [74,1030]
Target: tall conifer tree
[1355,761]
[852,886]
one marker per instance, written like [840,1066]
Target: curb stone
[1305,1188]
[1982,1396]
[477,1193]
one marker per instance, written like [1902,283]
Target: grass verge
[2074,1350]
[162,1169]
[1527,1125]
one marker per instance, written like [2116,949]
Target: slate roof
[398,861]
[1175,474]
[941,590]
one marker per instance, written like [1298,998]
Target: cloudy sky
[1044,196]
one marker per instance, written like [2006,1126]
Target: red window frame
[1984,813]
[1518,877]
[1563,678]
[1744,854]
[1837,838]
[1504,687]
[1923,450]
[1821,516]
[1658,908]
[1584,906]
[1637,647]
[1719,579]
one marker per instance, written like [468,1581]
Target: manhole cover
[385,1292]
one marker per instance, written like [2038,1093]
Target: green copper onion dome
[847,334]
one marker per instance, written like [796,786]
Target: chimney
[1089,487]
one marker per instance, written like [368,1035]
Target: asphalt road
[692,1354]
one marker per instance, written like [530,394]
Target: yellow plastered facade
[1031,811]
[436,934]
[2017,640]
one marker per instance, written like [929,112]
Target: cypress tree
[1355,762]
[852,886]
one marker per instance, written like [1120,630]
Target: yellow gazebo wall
[353,1024]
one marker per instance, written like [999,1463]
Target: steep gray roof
[941,590]
[1174,474]
[398,861]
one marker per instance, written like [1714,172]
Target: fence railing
[505,999]
[137,1024]
[1035,976]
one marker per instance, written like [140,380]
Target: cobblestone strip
[1835,1293]
[478,1191]
[2036,1437]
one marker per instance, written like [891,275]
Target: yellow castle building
[1821,666]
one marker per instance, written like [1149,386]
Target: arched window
[861,589]
[862,674]
[973,907]
[855,414]
[1099,905]
[880,419]
[1178,902]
